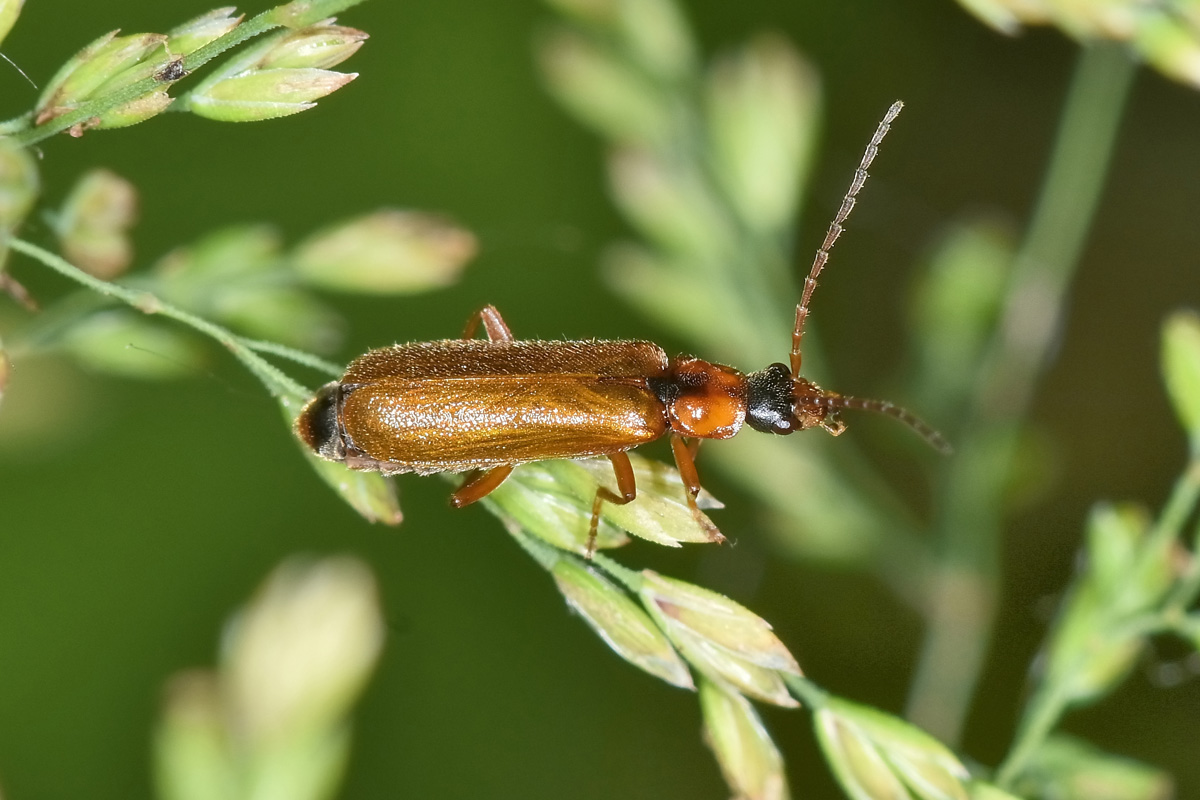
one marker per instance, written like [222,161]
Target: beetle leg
[493,325]
[626,485]
[479,485]
[685,460]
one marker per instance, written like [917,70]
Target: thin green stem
[1041,716]
[1054,241]
[1185,592]
[1178,508]
[547,555]
[804,690]
[631,579]
[49,325]
[1144,625]
[1166,532]
[1184,626]
[292,354]
[279,384]
[1182,501]
[962,597]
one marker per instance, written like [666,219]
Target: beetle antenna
[836,402]
[835,229]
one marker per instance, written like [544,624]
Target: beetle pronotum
[486,406]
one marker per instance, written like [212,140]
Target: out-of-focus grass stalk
[272,721]
[1042,714]
[960,603]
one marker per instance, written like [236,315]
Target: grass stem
[962,598]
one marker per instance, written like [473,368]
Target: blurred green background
[146,513]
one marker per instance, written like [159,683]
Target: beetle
[484,406]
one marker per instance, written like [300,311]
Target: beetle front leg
[685,461]
[493,325]
[626,485]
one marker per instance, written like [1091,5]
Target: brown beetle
[467,404]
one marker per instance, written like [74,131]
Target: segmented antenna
[835,230]
[836,402]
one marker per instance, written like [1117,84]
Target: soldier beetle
[485,406]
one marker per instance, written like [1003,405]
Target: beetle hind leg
[626,485]
[479,485]
[493,325]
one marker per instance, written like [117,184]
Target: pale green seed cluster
[689,637]
[116,81]
[94,222]
[724,641]
[272,719]
[749,760]
[283,74]
[1164,34]
[104,67]
[1136,581]
[876,755]
[9,11]
[390,251]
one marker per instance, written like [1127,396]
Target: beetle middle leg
[480,485]
[685,460]
[626,485]
[493,325]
